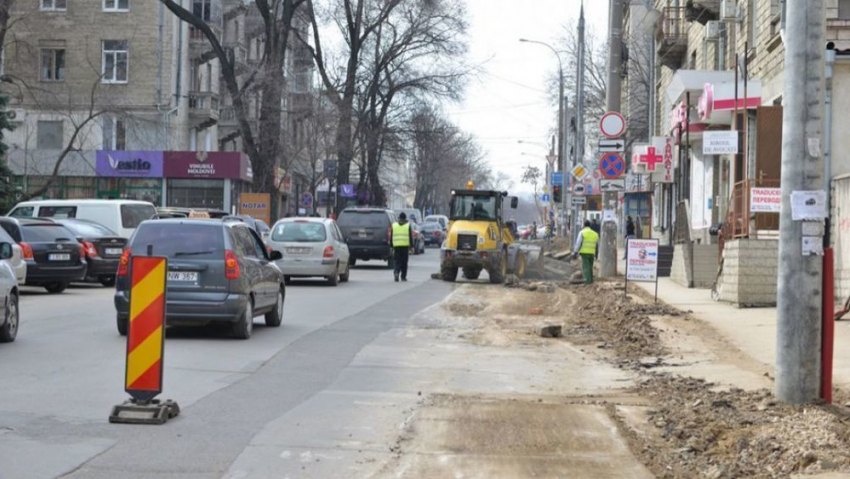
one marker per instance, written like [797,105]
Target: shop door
[769,146]
[639,207]
[108,188]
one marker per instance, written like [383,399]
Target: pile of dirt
[618,322]
[718,434]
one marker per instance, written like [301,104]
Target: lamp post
[561,122]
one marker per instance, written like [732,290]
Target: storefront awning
[694,81]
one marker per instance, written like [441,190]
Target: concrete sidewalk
[752,330]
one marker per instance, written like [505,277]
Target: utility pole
[799,293]
[579,109]
[610,200]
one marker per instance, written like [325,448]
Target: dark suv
[367,232]
[218,271]
[53,255]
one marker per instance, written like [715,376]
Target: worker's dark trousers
[400,256]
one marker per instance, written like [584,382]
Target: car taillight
[329,252]
[231,265]
[88,249]
[124,263]
[26,250]
[436,233]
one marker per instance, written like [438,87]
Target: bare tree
[532,175]
[264,147]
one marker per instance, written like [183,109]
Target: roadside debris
[550,331]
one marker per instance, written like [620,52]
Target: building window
[116,5]
[115,57]
[114,133]
[844,9]
[54,5]
[49,135]
[52,64]
[202,9]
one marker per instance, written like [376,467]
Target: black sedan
[103,248]
[54,257]
[433,233]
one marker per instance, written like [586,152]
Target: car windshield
[178,239]
[88,230]
[374,219]
[474,207]
[297,232]
[133,215]
[46,233]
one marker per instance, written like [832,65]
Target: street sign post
[612,124]
[612,166]
[580,172]
[616,186]
[611,146]
[579,189]
[558,178]
[579,200]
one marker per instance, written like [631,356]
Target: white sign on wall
[720,142]
[765,200]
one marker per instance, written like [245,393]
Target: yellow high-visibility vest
[589,238]
[401,235]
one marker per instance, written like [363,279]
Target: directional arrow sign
[612,146]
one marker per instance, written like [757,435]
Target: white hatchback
[311,247]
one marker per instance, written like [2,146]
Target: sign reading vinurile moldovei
[206,164]
[129,164]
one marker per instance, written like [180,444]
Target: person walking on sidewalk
[586,247]
[401,240]
[630,233]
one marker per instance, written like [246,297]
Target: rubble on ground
[550,331]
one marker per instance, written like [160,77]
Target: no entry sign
[612,124]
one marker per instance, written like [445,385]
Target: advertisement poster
[642,260]
[765,200]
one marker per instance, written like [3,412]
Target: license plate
[298,250]
[184,276]
[59,257]
[114,251]
[363,234]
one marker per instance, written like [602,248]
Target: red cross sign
[650,159]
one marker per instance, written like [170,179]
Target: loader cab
[475,205]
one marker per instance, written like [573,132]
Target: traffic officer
[586,247]
[401,240]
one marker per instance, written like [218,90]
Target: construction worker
[586,247]
[401,240]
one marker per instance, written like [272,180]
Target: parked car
[10,315]
[174,212]
[218,272]
[259,226]
[311,247]
[368,232]
[433,233]
[54,258]
[16,261]
[103,248]
[121,216]
[441,219]
[414,215]
[418,246]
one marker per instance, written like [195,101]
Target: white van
[121,216]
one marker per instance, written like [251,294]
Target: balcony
[672,37]
[198,43]
[702,11]
[203,107]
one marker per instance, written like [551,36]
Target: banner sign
[256,205]
[720,142]
[642,260]
[207,164]
[765,200]
[129,164]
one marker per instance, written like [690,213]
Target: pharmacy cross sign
[650,159]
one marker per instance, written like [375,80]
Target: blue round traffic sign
[307,200]
[612,165]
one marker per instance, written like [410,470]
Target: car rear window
[89,230]
[177,240]
[46,233]
[432,226]
[300,232]
[133,215]
[375,219]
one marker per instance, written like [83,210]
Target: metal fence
[740,222]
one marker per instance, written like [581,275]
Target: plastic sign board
[648,161]
[720,142]
[146,328]
[612,166]
[579,189]
[664,172]
[642,260]
[765,200]
[609,186]
[307,200]
[558,178]
[611,146]
[579,200]
[256,205]
[579,171]
[612,124]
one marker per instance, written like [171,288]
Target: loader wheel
[471,273]
[497,276]
[448,273]
[519,269]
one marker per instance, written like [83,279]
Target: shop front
[131,175]
[199,179]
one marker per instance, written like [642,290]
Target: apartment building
[719,67]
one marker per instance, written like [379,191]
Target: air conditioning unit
[17,115]
[728,10]
[712,31]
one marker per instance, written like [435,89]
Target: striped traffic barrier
[145,345]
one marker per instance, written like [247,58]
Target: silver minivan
[311,247]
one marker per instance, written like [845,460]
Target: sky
[508,101]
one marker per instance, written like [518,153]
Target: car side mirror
[6,250]
[514,202]
[275,255]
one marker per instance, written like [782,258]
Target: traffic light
[556,193]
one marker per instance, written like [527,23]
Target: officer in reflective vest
[401,240]
[586,247]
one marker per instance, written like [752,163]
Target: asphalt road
[60,379]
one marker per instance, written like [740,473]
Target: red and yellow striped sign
[143,376]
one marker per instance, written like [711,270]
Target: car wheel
[108,281]
[243,328]
[55,288]
[10,329]
[333,279]
[275,316]
[287,280]
[122,324]
[343,277]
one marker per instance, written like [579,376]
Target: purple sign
[202,164]
[129,164]
[347,191]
